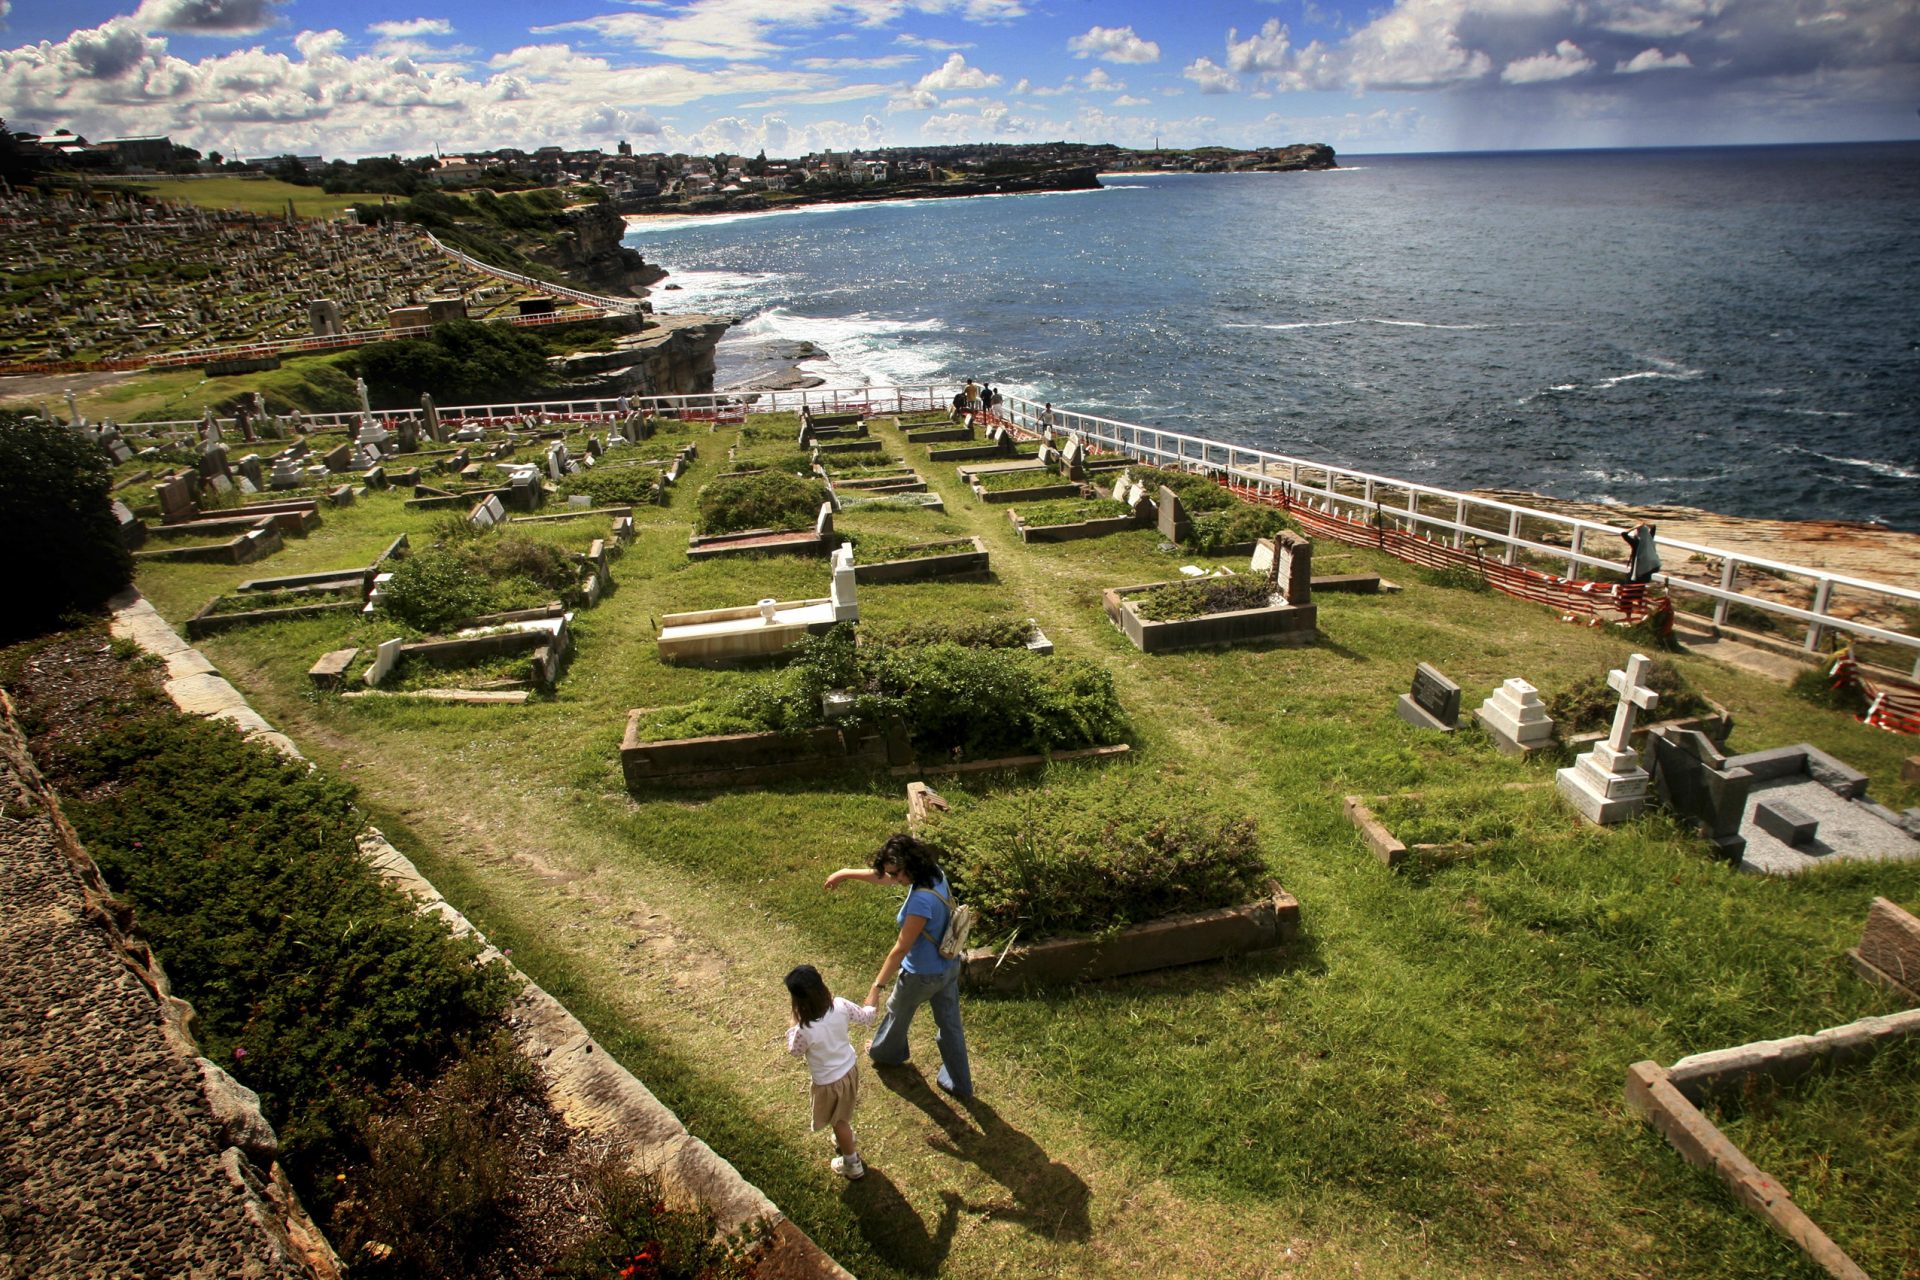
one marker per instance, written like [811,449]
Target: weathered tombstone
[1516,719]
[286,475]
[386,654]
[1295,577]
[823,524]
[1264,556]
[1434,702]
[1073,459]
[846,605]
[1607,785]
[409,441]
[1691,777]
[253,469]
[132,531]
[1175,526]
[213,462]
[175,498]
[431,415]
[339,458]
[557,461]
[524,491]
[219,482]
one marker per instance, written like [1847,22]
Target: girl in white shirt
[819,1034]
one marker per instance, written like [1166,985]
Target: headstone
[1434,702]
[579,500]
[1295,578]
[1264,556]
[332,668]
[1693,779]
[435,432]
[846,605]
[285,475]
[488,513]
[557,461]
[1516,719]
[384,657]
[823,524]
[409,440]
[1174,524]
[213,462]
[176,499]
[339,458]
[254,470]
[219,483]
[1073,459]
[1607,785]
[524,491]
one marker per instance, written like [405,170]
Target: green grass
[251,194]
[1428,1084]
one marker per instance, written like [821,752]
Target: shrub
[1101,852]
[1457,578]
[314,980]
[767,500]
[1203,596]
[462,361]
[1197,492]
[1819,688]
[637,1235]
[632,485]
[1214,532]
[55,498]
[1589,703]
[473,575]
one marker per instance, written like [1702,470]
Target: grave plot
[1430,830]
[717,637]
[767,512]
[1073,519]
[1020,484]
[241,540]
[904,545]
[769,447]
[1201,516]
[1103,873]
[304,595]
[1000,443]
[933,426]
[836,706]
[1583,710]
[878,476]
[1800,1126]
[500,658]
[1274,606]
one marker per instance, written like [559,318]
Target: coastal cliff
[587,250]
[1068,178]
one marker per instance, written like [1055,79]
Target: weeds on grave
[615,486]
[1215,531]
[491,573]
[1098,852]
[1820,688]
[1197,492]
[1041,515]
[1589,703]
[1176,600]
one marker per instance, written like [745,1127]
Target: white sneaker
[848,1167]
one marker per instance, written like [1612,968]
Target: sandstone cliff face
[589,251]
[671,356]
[1301,155]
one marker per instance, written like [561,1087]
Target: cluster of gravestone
[1777,811]
[115,275]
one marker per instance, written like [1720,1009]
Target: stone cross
[1634,693]
[360,385]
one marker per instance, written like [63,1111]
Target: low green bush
[1818,687]
[1457,577]
[984,633]
[633,484]
[1201,596]
[955,700]
[1214,532]
[473,574]
[765,500]
[316,982]
[1197,492]
[874,548]
[1589,703]
[1099,852]
[54,497]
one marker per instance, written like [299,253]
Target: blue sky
[348,78]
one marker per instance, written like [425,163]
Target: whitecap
[1894,470]
[1684,375]
[861,350]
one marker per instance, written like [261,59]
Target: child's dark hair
[920,860]
[811,999]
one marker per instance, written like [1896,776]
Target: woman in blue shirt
[925,977]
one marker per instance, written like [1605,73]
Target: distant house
[868,170]
[141,153]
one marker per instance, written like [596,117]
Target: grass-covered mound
[1041,515]
[955,700]
[1101,851]
[1589,703]
[633,484]
[1215,532]
[765,500]
[472,572]
[1008,481]
[1197,492]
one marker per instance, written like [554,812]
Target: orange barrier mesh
[1892,704]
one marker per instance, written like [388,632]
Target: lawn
[252,194]
[1429,1083]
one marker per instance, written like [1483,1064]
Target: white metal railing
[1327,486]
[605,303]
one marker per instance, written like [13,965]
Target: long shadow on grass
[1048,1198]
[894,1231]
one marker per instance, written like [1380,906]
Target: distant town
[636,181]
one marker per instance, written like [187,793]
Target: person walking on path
[925,977]
[820,1035]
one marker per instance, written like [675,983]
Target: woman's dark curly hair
[902,852]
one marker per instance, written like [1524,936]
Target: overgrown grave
[1100,874]
[303,595]
[486,613]
[900,538]
[939,695]
[763,512]
[1270,604]
[1197,513]
[1074,519]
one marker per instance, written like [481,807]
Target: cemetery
[1196,994]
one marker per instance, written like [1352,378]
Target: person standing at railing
[1646,556]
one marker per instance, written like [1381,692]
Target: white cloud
[412,27]
[1652,60]
[993,121]
[880,63]
[1415,46]
[1264,51]
[1128,100]
[913,100]
[1655,19]
[1210,76]
[954,73]
[755,30]
[1565,60]
[1114,44]
[1100,82]
[929,42]
[206,17]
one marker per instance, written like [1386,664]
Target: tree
[17,164]
[460,360]
[54,498]
[758,165]
[719,163]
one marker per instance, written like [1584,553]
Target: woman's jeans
[942,991]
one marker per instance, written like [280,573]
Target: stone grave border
[938,435]
[207,622]
[1667,1098]
[1099,528]
[589,1089]
[1088,755]
[974,559]
[259,540]
[1285,625]
[1195,937]
[1387,847]
[1039,493]
[752,758]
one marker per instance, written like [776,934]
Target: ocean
[1728,328]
